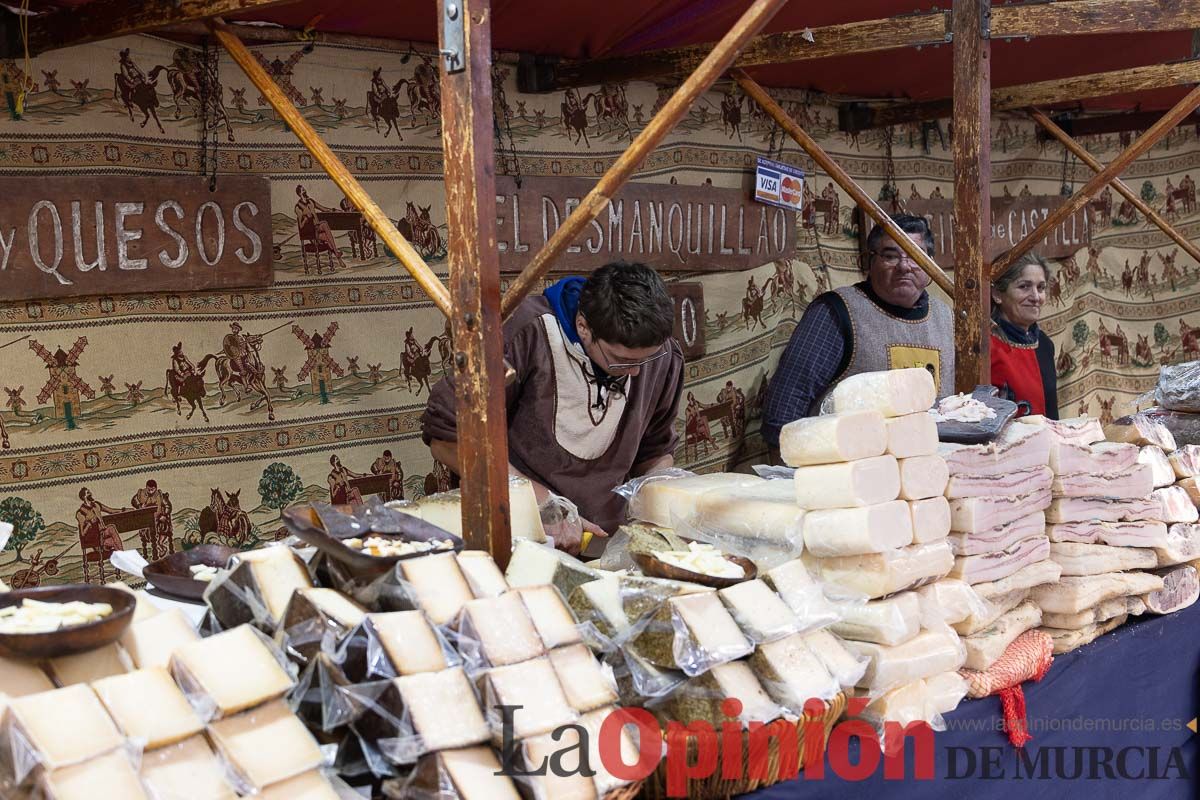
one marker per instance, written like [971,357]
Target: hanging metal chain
[500,102]
[210,87]
[1064,189]
[890,189]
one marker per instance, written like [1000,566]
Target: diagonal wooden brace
[1105,176]
[843,179]
[722,55]
[1122,188]
[376,218]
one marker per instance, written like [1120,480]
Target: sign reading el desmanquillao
[96,235]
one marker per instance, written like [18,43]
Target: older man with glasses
[887,321]
[598,380]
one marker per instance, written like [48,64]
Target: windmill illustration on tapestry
[281,71]
[64,385]
[320,366]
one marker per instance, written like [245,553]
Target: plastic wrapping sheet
[1184,427]
[845,667]
[459,775]
[762,614]
[364,655]
[702,698]
[929,653]
[805,596]
[774,472]
[888,621]
[691,633]
[1178,388]
[948,602]
[315,695]
[767,546]
[244,741]
[200,696]
[495,632]
[524,699]
[233,598]
[880,574]
[792,674]
[560,519]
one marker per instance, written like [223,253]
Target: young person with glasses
[598,381]
[886,321]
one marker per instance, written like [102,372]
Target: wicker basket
[719,788]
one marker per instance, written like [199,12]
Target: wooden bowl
[173,574]
[654,568]
[76,639]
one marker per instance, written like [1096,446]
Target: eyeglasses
[662,351]
[892,258]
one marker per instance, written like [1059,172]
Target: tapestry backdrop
[103,444]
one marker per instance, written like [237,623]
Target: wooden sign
[106,234]
[689,317]
[666,226]
[1012,219]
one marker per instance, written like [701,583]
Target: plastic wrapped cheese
[19,677]
[1077,558]
[151,642]
[229,672]
[554,622]
[702,697]
[986,646]
[534,564]
[879,574]
[436,585]
[893,393]
[848,485]
[766,510]
[792,674]
[62,727]
[587,684]
[188,770]
[111,775]
[147,705]
[846,668]
[1067,640]
[928,653]
[497,631]
[482,574]
[912,435]
[468,773]
[441,709]
[803,595]
[853,531]
[90,665]
[277,573]
[266,745]
[834,438]
[408,642]
[759,612]
[991,610]
[922,477]
[445,511]
[310,785]
[930,519]
[948,601]
[943,692]
[531,689]
[566,781]
[664,500]
[692,633]
[902,705]
[891,621]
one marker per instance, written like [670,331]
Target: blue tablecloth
[1127,696]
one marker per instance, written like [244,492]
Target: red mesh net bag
[1027,658]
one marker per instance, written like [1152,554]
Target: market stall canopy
[632,27]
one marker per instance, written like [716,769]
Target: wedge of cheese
[766,510]
[65,726]
[1161,471]
[930,519]
[1070,595]
[848,485]
[1185,462]
[993,608]
[566,781]
[1067,640]
[893,393]
[879,574]
[692,633]
[585,682]
[151,642]
[188,770]
[482,574]
[442,709]
[494,632]
[948,601]
[89,666]
[277,573]
[19,678]
[554,622]
[436,586]
[701,697]
[669,501]
[306,786]
[266,745]
[593,722]
[891,621]
[445,511]
[845,668]
[928,653]
[106,776]
[408,641]
[469,773]
[985,647]
[1141,430]
[533,564]
[803,595]
[335,605]
[147,705]
[598,602]
[792,674]
[1077,558]
[759,612]
[144,607]
[922,477]
[912,435]
[854,531]
[830,439]
[532,687]
[234,670]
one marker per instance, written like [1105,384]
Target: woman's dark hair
[1015,269]
[627,304]
[909,223]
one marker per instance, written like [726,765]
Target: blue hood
[563,298]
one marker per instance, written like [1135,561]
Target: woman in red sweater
[1023,356]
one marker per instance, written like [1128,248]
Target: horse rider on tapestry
[239,348]
[379,90]
[753,293]
[412,348]
[130,71]
[181,366]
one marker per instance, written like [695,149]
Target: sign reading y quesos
[106,234]
[667,226]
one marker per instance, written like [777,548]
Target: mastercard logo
[795,184]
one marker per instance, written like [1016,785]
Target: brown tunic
[555,435]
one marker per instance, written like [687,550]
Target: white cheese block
[65,726]
[599,602]
[482,574]
[554,622]
[737,680]
[335,605]
[834,438]
[586,684]
[445,511]
[147,705]
[759,612]
[441,707]
[470,773]
[709,631]
[89,666]
[108,776]
[792,674]
[1070,595]
[1077,558]
[1183,545]
[848,485]
[266,745]
[669,501]
[408,641]
[144,607]
[845,668]
[306,786]
[799,592]
[928,653]
[893,393]
[853,531]
[499,631]
[438,585]
[19,678]
[948,601]
[534,688]
[151,642]
[277,572]
[930,519]
[944,692]
[891,621]
[879,574]
[1161,471]
[922,477]
[985,647]
[1025,578]
[993,608]
[1185,462]
[593,722]
[766,510]
[234,670]
[533,564]
[902,705]
[563,781]
[185,771]
[912,435]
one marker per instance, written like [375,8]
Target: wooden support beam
[859,117]
[751,22]
[1113,123]
[542,75]
[972,153]
[383,226]
[1082,17]
[843,179]
[470,172]
[106,19]
[1099,181]
[1122,188]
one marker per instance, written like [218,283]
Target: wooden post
[843,179]
[972,152]
[1143,143]
[383,226]
[1087,158]
[470,174]
[717,61]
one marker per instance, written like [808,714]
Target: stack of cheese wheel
[871,481]
[1115,519]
